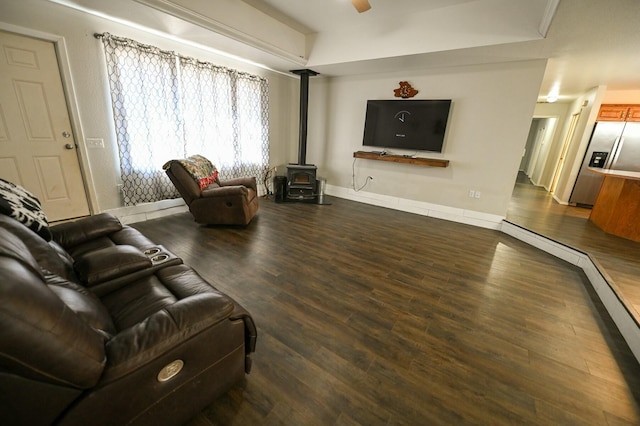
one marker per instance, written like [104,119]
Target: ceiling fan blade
[361,5]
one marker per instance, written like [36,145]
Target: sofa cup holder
[159,258]
[158,255]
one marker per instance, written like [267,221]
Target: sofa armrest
[144,342]
[109,263]
[224,191]
[71,234]
[250,334]
[249,182]
[42,339]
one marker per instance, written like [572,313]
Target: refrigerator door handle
[613,155]
[616,152]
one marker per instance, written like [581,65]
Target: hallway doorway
[537,149]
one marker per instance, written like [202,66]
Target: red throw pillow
[208,180]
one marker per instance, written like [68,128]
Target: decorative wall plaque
[405,91]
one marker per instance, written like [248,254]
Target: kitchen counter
[617,208]
[617,173]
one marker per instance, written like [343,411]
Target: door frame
[72,105]
[573,124]
[541,134]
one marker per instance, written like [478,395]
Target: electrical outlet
[95,143]
[477,194]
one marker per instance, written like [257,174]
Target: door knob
[69,146]
[66,134]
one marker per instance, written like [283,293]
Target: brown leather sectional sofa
[100,326]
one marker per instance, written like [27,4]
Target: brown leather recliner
[100,327]
[230,202]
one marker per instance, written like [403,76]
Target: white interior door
[37,147]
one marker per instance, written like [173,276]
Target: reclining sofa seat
[210,200]
[90,328]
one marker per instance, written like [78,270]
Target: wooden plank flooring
[535,209]
[370,316]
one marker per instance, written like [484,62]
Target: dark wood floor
[370,316]
[535,209]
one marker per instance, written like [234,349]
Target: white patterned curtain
[167,106]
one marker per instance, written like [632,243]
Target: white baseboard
[469,217]
[148,211]
[559,201]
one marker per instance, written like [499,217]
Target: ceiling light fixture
[554,93]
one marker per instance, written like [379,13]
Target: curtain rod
[186,58]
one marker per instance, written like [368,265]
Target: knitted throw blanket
[200,169]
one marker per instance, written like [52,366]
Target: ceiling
[588,43]
[333,15]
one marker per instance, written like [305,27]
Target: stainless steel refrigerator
[613,145]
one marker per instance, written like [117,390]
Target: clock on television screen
[418,125]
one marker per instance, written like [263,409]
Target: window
[167,106]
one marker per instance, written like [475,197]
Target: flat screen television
[407,124]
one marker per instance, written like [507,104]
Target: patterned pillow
[23,206]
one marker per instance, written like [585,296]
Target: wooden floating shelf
[431,162]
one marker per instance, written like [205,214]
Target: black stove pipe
[304,113]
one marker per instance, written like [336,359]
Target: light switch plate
[95,143]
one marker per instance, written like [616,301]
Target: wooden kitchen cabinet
[634,113]
[619,112]
[617,208]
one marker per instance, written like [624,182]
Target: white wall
[559,110]
[88,76]
[621,97]
[490,117]
[588,106]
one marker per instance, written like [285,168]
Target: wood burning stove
[301,182]
[301,177]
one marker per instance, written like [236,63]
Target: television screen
[407,124]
